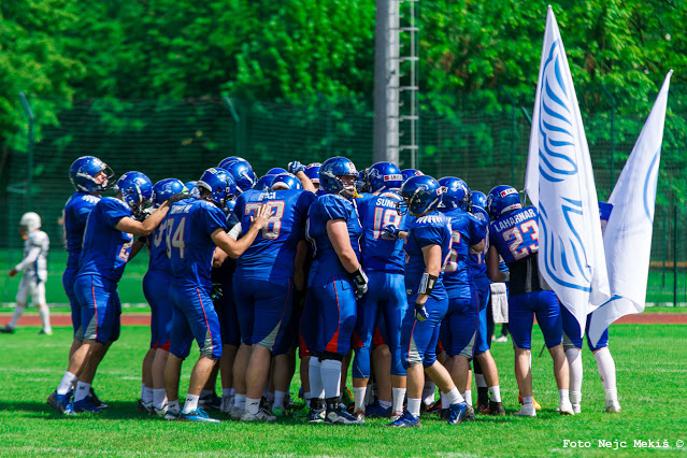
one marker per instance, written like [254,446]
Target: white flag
[627,237]
[560,183]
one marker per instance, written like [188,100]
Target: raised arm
[235,248]
[145,228]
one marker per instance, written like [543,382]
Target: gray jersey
[35,262]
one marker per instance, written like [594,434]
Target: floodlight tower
[396,82]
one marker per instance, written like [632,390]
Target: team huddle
[390,272]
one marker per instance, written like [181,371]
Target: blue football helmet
[457,193]
[276,171]
[286,181]
[479,199]
[227,161]
[332,172]
[136,190]
[83,173]
[407,173]
[219,185]
[166,188]
[264,183]
[502,199]
[382,176]
[312,170]
[243,175]
[192,188]
[421,194]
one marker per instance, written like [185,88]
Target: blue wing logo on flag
[565,257]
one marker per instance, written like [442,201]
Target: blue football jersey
[75,214]
[189,242]
[105,248]
[515,234]
[431,229]
[377,212]
[465,232]
[326,265]
[477,264]
[157,244]
[271,256]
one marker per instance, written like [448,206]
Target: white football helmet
[31,221]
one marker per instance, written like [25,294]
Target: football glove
[295,167]
[217,292]
[390,232]
[360,281]
[421,312]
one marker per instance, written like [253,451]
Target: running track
[142,319]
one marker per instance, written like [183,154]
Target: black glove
[360,281]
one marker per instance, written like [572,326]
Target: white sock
[18,312]
[279,397]
[45,317]
[331,377]
[444,401]
[428,392]
[315,378]
[159,398]
[252,406]
[526,400]
[414,406]
[480,381]
[146,395]
[82,390]
[173,407]
[240,401]
[468,397]
[564,396]
[495,393]
[397,397]
[66,383]
[227,392]
[453,397]
[191,403]
[606,366]
[574,356]
[359,398]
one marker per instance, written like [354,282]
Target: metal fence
[182,138]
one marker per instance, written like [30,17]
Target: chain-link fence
[182,138]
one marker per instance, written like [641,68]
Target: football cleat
[84,405]
[316,415]
[377,411]
[59,402]
[210,401]
[501,339]
[407,420]
[236,412]
[613,407]
[469,414]
[7,329]
[577,408]
[566,408]
[340,416]
[45,332]
[143,408]
[457,413]
[496,409]
[172,415]
[527,410]
[263,415]
[536,405]
[199,415]
[227,403]
[96,399]
[359,415]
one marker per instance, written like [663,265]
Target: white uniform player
[34,266]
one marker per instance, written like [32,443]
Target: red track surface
[142,319]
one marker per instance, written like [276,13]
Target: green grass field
[651,380]
[660,288]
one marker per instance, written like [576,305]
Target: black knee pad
[328,355]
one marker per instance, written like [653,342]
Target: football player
[460,326]
[90,176]
[336,279]
[107,243]
[34,266]
[384,262]
[263,281]
[428,246]
[194,228]
[514,235]
[156,291]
